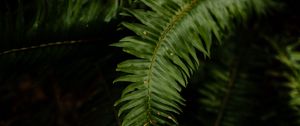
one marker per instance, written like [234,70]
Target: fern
[228,94]
[288,56]
[53,47]
[224,98]
[166,45]
[54,60]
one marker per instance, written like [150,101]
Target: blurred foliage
[55,67]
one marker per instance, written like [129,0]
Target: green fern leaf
[288,55]
[166,45]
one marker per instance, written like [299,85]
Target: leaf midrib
[163,35]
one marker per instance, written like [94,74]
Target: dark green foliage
[166,46]
[53,66]
[241,58]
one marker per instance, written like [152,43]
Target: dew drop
[145,33]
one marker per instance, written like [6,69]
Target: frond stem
[43,46]
[231,83]
[161,39]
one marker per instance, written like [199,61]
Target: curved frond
[166,44]
[288,55]
[27,20]
[227,97]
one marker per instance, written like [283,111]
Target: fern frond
[166,45]
[70,13]
[227,97]
[289,56]
[37,19]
